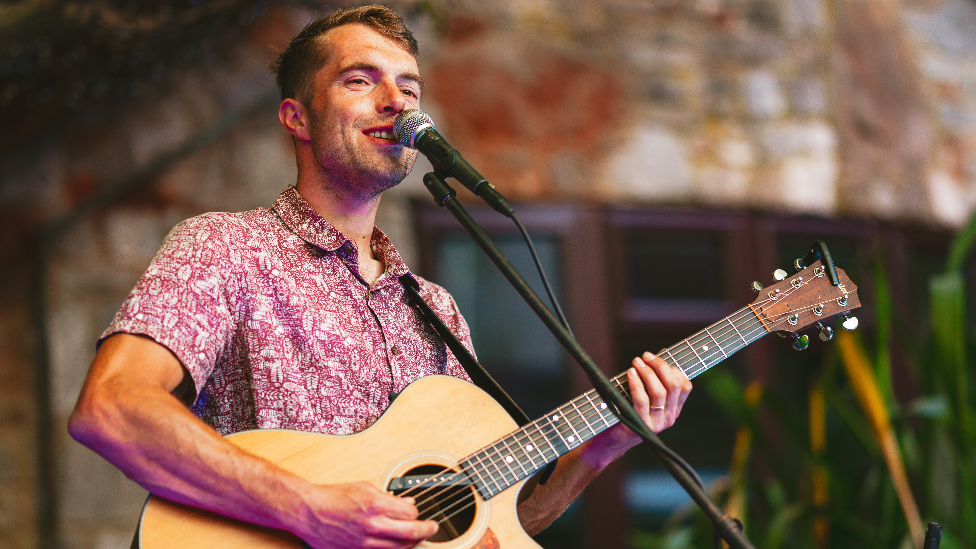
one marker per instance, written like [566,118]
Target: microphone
[415,129]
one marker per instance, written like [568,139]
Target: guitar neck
[529,449]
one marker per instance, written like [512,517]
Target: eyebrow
[369,67]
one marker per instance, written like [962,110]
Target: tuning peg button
[826,332]
[799,265]
[850,323]
[756,286]
[779,274]
[801,342]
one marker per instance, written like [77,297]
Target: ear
[294,117]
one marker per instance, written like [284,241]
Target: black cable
[445,196]
[656,445]
[542,274]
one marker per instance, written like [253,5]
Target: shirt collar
[302,219]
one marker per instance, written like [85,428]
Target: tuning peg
[850,323]
[826,332]
[756,286]
[801,342]
[799,265]
[779,274]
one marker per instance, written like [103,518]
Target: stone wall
[849,108]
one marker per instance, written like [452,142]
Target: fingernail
[649,355]
[632,371]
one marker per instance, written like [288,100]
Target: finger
[408,532]
[404,508]
[638,394]
[670,379]
[651,379]
[685,391]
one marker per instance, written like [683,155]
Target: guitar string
[678,359]
[586,422]
[773,319]
[618,380]
[520,435]
[572,403]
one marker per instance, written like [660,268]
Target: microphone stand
[725,526]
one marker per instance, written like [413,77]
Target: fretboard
[529,449]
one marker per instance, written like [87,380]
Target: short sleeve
[184,301]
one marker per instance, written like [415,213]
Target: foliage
[847,469]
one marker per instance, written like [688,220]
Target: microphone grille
[409,124]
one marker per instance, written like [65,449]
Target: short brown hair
[304,55]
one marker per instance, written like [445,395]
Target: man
[293,317]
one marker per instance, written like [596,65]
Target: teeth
[382,134]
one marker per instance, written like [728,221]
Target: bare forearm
[573,473]
[658,392]
[127,414]
[152,438]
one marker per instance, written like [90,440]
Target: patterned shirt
[268,313]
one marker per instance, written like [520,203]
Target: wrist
[605,448]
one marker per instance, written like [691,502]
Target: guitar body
[436,421]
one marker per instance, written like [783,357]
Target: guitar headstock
[808,298]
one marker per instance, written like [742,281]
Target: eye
[410,93]
[357,81]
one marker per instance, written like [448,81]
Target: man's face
[365,83]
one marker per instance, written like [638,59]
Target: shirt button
[394,350]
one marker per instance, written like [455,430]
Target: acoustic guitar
[434,442]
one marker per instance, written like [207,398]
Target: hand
[658,392]
[358,515]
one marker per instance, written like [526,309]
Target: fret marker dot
[571,438]
[509,459]
[603,406]
[555,417]
[529,447]
[704,347]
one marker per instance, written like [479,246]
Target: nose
[390,99]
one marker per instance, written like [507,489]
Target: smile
[382,134]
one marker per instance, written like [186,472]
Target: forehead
[357,43]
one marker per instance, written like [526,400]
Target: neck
[353,216]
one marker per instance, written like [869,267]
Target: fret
[485,478]
[555,452]
[512,457]
[574,439]
[708,351]
[555,422]
[526,451]
[475,475]
[744,342]
[504,466]
[599,406]
[716,343]
[529,449]
[581,412]
[672,360]
[554,437]
[494,476]
[688,343]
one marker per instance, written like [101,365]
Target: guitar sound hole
[441,496]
